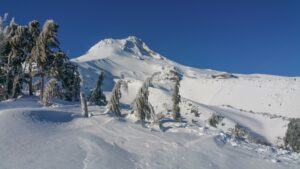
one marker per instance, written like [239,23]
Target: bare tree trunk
[30,80]
[84,107]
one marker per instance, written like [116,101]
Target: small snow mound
[51,116]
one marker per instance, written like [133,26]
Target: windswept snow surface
[58,137]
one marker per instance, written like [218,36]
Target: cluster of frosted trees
[31,60]
[141,107]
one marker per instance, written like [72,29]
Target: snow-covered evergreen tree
[52,90]
[84,107]
[58,66]
[16,57]
[3,56]
[141,107]
[33,34]
[97,96]
[7,58]
[68,74]
[114,102]
[292,136]
[176,100]
[44,50]
[76,86]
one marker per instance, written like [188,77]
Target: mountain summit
[130,47]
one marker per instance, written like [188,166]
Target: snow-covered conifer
[97,97]
[76,86]
[3,55]
[292,136]
[176,100]
[52,90]
[33,34]
[68,74]
[44,49]
[114,103]
[15,59]
[141,107]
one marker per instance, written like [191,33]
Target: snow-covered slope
[132,59]
[58,137]
[254,101]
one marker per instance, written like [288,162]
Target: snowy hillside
[59,137]
[257,102]
[131,59]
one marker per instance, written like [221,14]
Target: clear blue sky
[242,36]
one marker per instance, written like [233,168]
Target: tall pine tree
[45,49]
[33,34]
[4,50]
[16,57]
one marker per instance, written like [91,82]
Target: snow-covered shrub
[195,112]
[238,132]
[215,119]
[292,136]
[242,133]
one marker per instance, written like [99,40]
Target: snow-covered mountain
[131,58]
[258,102]
[57,137]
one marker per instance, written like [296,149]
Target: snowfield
[59,137]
